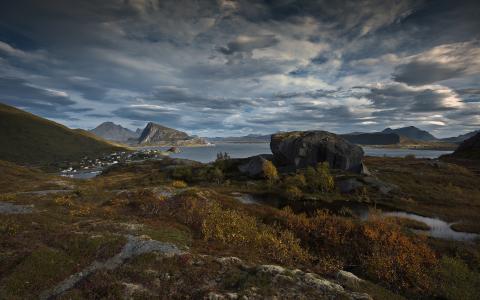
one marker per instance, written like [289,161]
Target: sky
[230,68]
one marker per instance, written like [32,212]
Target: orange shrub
[377,246]
[237,229]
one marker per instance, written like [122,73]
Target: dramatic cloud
[440,63]
[231,67]
[248,44]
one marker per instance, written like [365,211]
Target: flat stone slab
[12,209]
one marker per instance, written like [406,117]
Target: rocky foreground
[175,229]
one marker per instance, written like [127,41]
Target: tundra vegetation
[193,206]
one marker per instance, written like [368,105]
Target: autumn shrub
[394,258]
[64,200]
[237,229]
[319,179]
[377,247]
[179,184]
[293,193]
[297,180]
[145,202]
[270,171]
[325,179]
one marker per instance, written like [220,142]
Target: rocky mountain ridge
[155,134]
[113,132]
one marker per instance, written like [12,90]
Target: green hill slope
[29,139]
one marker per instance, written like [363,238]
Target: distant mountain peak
[154,133]
[114,132]
[411,132]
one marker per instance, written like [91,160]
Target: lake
[207,154]
[242,150]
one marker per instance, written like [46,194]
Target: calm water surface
[209,153]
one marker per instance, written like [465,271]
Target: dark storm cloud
[469,94]
[174,95]
[242,65]
[246,68]
[400,97]
[248,43]
[420,73]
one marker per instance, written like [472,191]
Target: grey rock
[363,170]
[15,209]
[384,187]
[348,279]
[349,185]
[300,149]
[254,166]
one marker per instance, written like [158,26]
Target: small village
[89,167]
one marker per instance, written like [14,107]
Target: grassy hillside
[29,139]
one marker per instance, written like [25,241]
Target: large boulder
[253,167]
[300,149]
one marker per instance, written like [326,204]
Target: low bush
[376,247]
[293,193]
[456,281]
[319,179]
[236,229]
[179,184]
[184,173]
[144,202]
[270,171]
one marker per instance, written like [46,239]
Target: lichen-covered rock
[300,149]
[347,279]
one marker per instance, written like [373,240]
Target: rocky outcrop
[254,166]
[155,134]
[300,149]
[469,149]
[113,132]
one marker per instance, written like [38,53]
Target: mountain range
[113,132]
[461,138]
[412,132]
[251,138]
[152,134]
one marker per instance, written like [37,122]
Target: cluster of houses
[88,167]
